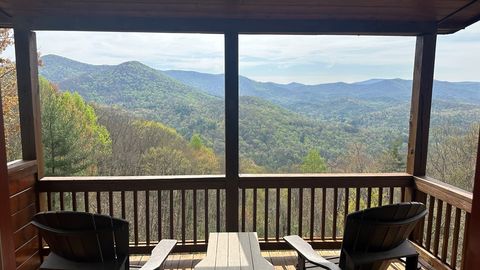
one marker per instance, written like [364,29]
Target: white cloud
[307,59]
[457,55]
[163,51]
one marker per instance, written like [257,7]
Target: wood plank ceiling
[448,15]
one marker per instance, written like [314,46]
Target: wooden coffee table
[239,250]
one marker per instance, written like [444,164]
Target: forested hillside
[356,127]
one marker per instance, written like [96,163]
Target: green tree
[74,143]
[452,154]
[8,88]
[165,161]
[313,162]
[392,160]
[196,141]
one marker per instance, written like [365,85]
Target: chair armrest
[306,251]
[159,254]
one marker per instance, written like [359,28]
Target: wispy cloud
[307,59]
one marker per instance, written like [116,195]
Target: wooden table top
[234,251]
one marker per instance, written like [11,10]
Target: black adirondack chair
[80,240]
[372,238]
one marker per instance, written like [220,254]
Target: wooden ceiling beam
[460,19]
[5,19]
[242,26]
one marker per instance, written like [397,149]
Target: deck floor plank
[281,259]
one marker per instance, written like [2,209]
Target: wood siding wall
[22,176]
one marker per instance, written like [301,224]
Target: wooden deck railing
[442,235]
[313,206]
[176,207]
[181,208]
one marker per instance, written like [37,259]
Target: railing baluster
[446,232]
[159,214]
[300,212]
[277,215]
[87,203]
[456,235]
[403,193]
[62,201]
[206,215]
[392,193]
[289,211]
[99,202]
[357,199]
[74,201]
[110,202]
[380,196]
[171,214]
[324,208]
[194,205]
[147,217]
[243,209]
[465,237]
[49,201]
[335,216]
[265,216]
[369,197]
[254,210]
[438,225]
[135,216]
[183,216]
[430,223]
[218,210]
[123,202]
[312,212]
[347,201]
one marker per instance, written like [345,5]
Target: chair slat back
[380,228]
[83,237]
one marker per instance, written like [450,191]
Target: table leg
[301,262]
[411,263]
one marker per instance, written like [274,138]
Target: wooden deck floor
[282,260]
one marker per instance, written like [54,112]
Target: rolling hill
[279,123]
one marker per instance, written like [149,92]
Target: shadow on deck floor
[282,260]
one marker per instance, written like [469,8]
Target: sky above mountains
[281,59]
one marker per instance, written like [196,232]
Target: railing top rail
[352,180]
[324,175]
[452,195]
[88,184]
[128,178]
[119,183]
[20,168]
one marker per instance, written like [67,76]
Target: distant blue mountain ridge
[337,101]
[279,123]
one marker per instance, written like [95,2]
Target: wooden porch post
[29,104]
[420,117]
[7,248]
[231,131]
[28,96]
[421,104]
[472,252]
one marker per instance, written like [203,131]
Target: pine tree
[73,141]
[196,141]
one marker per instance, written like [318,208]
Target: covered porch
[313,206]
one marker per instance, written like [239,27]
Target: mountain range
[279,123]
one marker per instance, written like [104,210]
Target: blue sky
[283,59]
